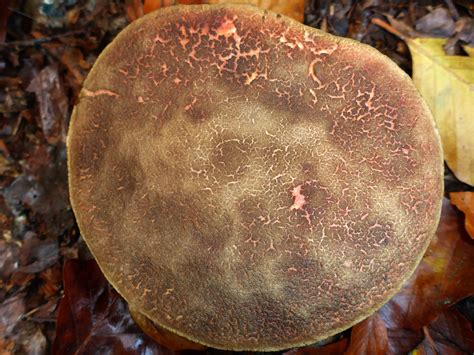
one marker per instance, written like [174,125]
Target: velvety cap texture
[248,182]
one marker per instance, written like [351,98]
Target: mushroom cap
[248,182]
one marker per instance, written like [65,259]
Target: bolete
[250,183]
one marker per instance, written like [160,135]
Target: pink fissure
[299,199]
[99,92]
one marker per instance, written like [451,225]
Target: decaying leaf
[443,277]
[294,8]
[338,347]
[53,103]
[92,318]
[438,22]
[162,336]
[447,85]
[16,335]
[369,337]
[11,311]
[450,333]
[464,201]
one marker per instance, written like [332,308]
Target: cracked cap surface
[249,182]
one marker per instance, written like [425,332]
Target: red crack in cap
[248,182]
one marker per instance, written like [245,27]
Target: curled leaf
[464,201]
[338,347]
[293,9]
[92,318]
[369,337]
[443,277]
[450,333]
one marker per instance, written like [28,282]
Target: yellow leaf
[469,50]
[447,85]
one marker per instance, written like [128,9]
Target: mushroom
[250,183]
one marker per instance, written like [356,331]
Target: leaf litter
[53,298]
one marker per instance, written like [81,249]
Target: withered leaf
[338,347]
[11,311]
[369,337]
[439,22]
[464,201]
[445,82]
[93,318]
[450,333]
[53,103]
[37,255]
[9,253]
[443,277]
[294,8]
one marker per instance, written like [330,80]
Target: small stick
[389,28]
[452,9]
[429,339]
[33,42]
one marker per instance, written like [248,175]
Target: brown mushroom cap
[248,182]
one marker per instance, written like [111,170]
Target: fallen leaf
[93,318]
[369,337]
[36,254]
[53,103]
[35,342]
[152,5]
[450,333]
[134,9]
[52,280]
[11,311]
[447,85]
[74,61]
[466,307]
[469,50]
[464,201]
[438,22]
[293,9]
[338,347]
[16,335]
[443,277]
[162,336]
[42,189]
[9,253]
[402,341]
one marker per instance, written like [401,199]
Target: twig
[429,339]
[452,9]
[34,42]
[389,28]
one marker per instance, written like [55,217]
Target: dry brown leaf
[52,101]
[443,277]
[293,9]
[93,319]
[450,333]
[369,337]
[464,201]
[338,347]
